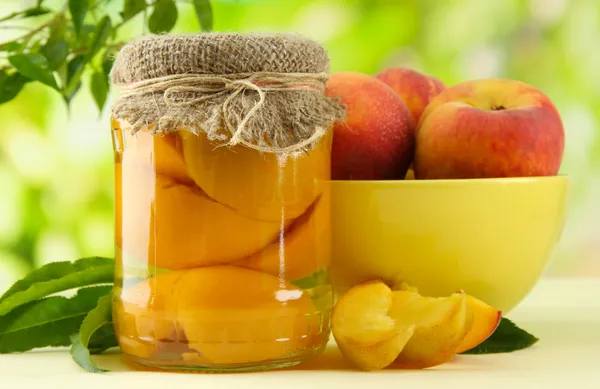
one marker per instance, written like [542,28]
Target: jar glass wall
[222,252]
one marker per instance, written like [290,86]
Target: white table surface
[563,313]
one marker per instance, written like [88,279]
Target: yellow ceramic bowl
[490,237]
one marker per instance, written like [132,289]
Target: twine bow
[186,90]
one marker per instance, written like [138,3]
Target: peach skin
[376,140]
[416,89]
[489,128]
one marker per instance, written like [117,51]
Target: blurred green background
[56,177]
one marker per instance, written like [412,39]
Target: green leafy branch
[78,39]
[33,315]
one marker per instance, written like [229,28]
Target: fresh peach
[489,128]
[416,89]
[485,321]
[376,140]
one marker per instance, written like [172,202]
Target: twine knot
[271,109]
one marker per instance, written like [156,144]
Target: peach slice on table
[485,318]
[441,325]
[363,330]
[375,327]
[485,321]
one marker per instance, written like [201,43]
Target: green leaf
[99,37]
[10,16]
[57,277]
[107,64]
[49,322]
[56,52]
[37,11]
[164,17]
[507,337]
[68,97]
[78,10]
[204,14]
[318,278]
[11,46]
[103,339]
[132,8]
[75,69]
[35,67]
[10,86]
[99,88]
[58,29]
[53,271]
[94,321]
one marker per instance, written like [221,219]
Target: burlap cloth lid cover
[262,91]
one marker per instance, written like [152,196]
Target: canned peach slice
[263,186]
[161,152]
[144,316]
[171,225]
[233,315]
[303,250]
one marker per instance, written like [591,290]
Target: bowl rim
[559,178]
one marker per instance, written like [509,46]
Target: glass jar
[222,252]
